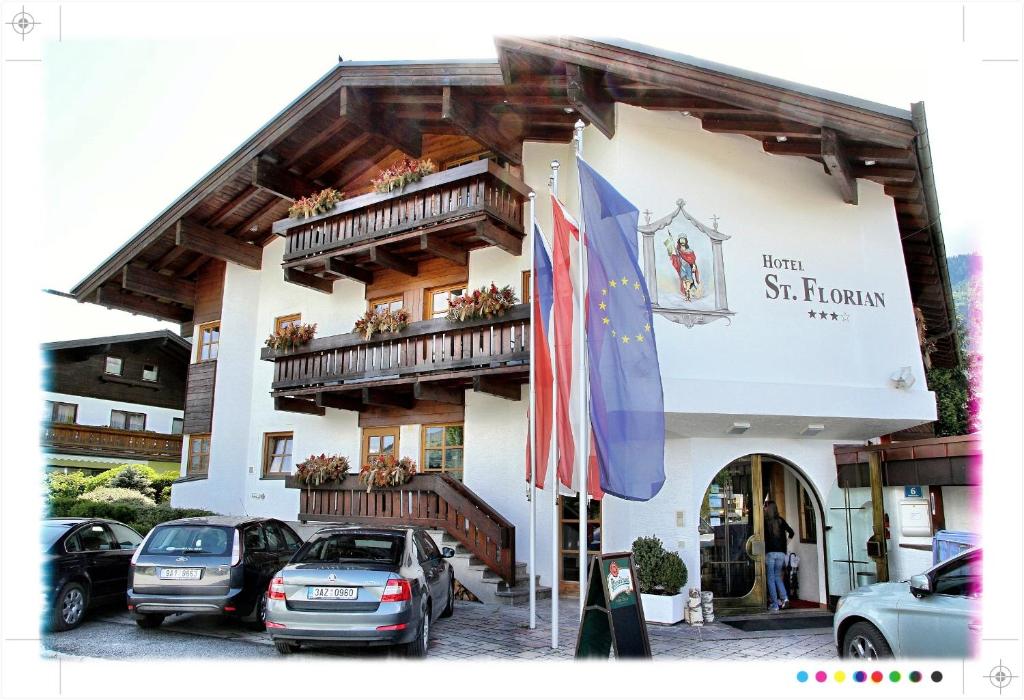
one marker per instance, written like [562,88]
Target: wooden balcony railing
[424,347]
[431,500]
[101,441]
[444,214]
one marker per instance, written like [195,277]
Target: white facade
[770,364]
[92,411]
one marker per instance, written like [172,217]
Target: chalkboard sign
[612,614]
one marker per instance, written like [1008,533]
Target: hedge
[140,518]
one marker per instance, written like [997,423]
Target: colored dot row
[863,676]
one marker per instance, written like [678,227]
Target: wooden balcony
[446,214]
[101,441]
[434,360]
[431,500]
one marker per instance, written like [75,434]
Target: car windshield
[352,547]
[52,533]
[198,540]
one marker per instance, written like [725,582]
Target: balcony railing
[101,441]
[435,347]
[434,501]
[444,214]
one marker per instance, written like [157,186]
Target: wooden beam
[284,403]
[486,231]
[355,107]
[145,306]
[167,258]
[281,182]
[496,387]
[217,245]
[444,249]
[382,397]
[838,165]
[339,401]
[393,262]
[343,268]
[342,153]
[460,110]
[885,175]
[232,206]
[759,127]
[143,281]
[433,391]
[591,100]
[304,279]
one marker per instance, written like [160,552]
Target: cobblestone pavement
[476,631]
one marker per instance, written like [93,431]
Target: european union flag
[627,406]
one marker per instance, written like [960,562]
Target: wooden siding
[209,292]
[436,272]
[99,441]
[199,397]
[420,413]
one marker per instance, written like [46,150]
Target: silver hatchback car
[364,586]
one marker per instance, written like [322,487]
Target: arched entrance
[732,549]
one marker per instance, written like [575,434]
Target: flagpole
[533,419]
[583,446]
[552,472]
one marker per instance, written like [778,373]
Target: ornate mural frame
[688,318]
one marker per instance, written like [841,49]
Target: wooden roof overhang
[362,116]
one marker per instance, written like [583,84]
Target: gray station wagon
[362,585]
[214,565]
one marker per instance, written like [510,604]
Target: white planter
[666,609]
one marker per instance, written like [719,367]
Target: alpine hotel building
[813,222]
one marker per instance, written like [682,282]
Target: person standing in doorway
[777,534]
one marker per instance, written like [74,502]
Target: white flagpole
[533,421]
[553,473]
[583,445]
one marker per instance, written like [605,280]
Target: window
[277,454]
[96,538]
[255,539]
[425,544]
[194,540]
[60,412]
[569,516]
[126,420]
[436,305]
[808,523]
[462,160]
[346,547]
[391,304]
[962,578]
[150,372]
[177,425]
[527,289]
[380,441]
[442,449]
[126,537]
[209,341]
[113,365]
[198,454]
[282,322]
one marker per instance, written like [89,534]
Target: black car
[86,563]
[219,565]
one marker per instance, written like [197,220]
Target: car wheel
[259,615]
[284,647]
[864,641]
[69,608]
[417,648]
[149,621]
[449,609]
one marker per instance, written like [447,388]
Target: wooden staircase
[483,583]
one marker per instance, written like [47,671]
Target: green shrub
[69,485]
[162,485]
[670,573]
[60,507]
[132,476]
[111,494]
[103,479]
[647,555]
[142,519]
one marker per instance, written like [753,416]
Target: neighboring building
[114,400]
[814,223]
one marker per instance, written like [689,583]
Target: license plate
[181,574]
[331,593]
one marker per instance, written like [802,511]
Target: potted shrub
[319,203]
[661,576]
[316,470]
[291,336]
[386,470]
[401,174]
[382,321]
[485,302]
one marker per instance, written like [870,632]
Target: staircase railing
[435,501]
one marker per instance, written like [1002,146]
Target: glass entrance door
[732,537]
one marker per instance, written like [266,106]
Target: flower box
[663,609]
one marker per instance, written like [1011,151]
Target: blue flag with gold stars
[627,406]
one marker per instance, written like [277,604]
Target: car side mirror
[447,552]
[920,585]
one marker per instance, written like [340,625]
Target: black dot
[936,676]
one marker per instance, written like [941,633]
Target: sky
[131,121]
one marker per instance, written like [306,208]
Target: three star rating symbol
[625,338]
[826,316]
